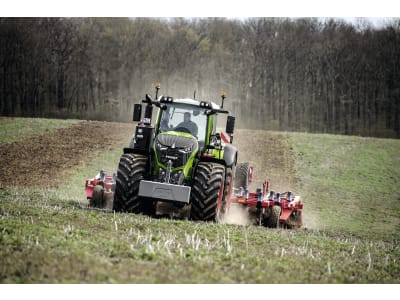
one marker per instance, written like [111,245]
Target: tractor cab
[187,116]
[183,116]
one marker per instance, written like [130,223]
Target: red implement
[262,201]
[100,190]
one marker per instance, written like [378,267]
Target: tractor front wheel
[131,170]
[207,191]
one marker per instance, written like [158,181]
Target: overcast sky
[202,8]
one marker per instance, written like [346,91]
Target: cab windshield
[184,118]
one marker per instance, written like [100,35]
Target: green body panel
[187,168]
[211,124]
[218,154]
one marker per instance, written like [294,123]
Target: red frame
[91,183]
[288,207]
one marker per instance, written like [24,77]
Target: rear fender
[228,156]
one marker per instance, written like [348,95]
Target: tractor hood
[175,146]
[177,140]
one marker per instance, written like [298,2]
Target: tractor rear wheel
[242,175]
[273,219]
[131,170]
[207,191]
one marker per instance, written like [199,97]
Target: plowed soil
[40,161]
[270,155]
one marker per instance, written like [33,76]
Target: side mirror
[137,112]
[230,125]
[148,98]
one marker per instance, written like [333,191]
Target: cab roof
[195,102]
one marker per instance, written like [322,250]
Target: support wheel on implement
[97,197]
[295,220]
[273,218]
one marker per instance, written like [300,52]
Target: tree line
[304,74]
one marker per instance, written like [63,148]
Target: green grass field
[15,129]
[348,185]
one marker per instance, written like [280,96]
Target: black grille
[175,148]
[177,159]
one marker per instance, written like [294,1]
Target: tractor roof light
[223,96]
[205,104]
[157,86]
[166,99]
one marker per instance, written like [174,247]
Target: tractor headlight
[185,150]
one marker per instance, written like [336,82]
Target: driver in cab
[188,124]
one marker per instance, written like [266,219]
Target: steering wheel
[182,129]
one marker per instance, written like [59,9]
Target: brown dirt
[270,155]
[40,161]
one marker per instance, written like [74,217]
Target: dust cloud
[237,215]
[311,221]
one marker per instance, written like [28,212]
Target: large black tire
[207,190]
[242,175]
[131,170]
[273,218]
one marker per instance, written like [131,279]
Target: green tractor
[180,166]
